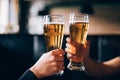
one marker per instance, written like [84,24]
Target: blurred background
[22,39]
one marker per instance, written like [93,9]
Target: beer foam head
[78,21]
[81,21]
[54,23]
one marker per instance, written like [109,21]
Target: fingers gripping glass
[79,25]
[53,32]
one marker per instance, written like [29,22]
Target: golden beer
[78,33]
[53,33]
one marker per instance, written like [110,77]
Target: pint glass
[53,31]
[79,25]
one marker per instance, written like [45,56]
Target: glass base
[60,73]
[76,66]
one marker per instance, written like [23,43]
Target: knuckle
[56,68]
[55,64]
[52,58]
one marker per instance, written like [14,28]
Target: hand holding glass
[79,25]
[53,32]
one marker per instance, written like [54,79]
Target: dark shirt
[28,75]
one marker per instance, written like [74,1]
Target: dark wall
[16,55]
[109,47]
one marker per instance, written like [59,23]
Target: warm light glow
[3,15]
[8,17]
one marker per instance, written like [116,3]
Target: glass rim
[81,17]
[80,14]
[53,15]
[47,19]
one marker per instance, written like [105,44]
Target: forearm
[113,65]
[97,69]
[93,68]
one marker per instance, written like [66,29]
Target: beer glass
[79,25]
[53,32]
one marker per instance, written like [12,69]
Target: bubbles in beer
[53,33]
[78,31]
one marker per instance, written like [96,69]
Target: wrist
[35,71]
[86,62]
[86,59]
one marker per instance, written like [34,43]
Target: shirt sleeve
[28,75]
